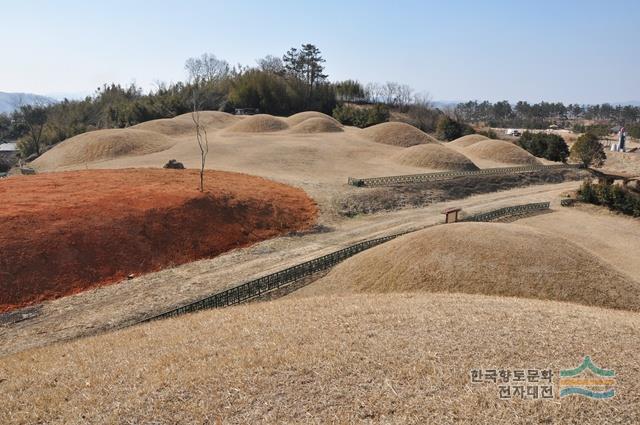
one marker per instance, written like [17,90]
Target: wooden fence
[508,212]
[447,175]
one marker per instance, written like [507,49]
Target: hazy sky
[572,51]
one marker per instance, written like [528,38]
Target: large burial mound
[397,134]
[168,126]
[467,140]
[500,151]
[435,157]
[184,124]
[296,119]
[260,123]
[102,145]
[484,258]
[379,358]
[317,125]
[210,119]
[65,232]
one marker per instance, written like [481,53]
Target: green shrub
[612,196]
[588,150]
[361,117]
[542,145]
[450,129]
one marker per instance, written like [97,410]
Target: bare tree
[373,92]
[196,78]
[203,141]
[207,68]
[404,95]
[422,114]
[271,64]
[390,93]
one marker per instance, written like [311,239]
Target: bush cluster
[449,129]
[361,116]
[542,145]
[612,196]
[588,150]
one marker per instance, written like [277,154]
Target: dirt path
[116,305]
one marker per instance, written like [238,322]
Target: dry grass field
[391,358]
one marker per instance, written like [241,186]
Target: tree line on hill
[543,114]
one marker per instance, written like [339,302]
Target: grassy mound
[435,157]
[102,145]
[397,134]
[261,123]
[167,126]
[467,140]
[96,227]
[296,119]
[210,119]
[317,125]
[484,258]
[390,358]
[500,151]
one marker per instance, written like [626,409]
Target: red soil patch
[62,233]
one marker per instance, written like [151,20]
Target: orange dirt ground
[63,233]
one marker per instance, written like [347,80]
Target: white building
[8,151]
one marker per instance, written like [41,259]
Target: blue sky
[563,50]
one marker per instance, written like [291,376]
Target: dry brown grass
[435,157]
[627,163]
[500,151]
[261,123]
[397,134]
[168,126]
[210,119]
[296,119]
[468,140]
[392,358]
[484,258]
[102,145]
[317,125]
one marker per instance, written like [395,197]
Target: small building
[247,111]
[8,151]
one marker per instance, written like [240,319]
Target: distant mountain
[445,104]
[12,101]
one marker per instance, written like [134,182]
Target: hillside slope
[391,358]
